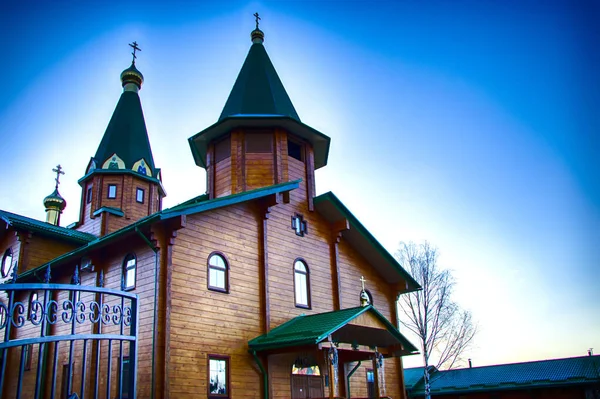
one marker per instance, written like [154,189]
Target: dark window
[259,143]
[223,149]
[301,284]
[112,191]
[27,349]
[88,196]
[139,195]
[370,383]
[129,272]
[125,376]
[218,273]
[218,377]
[295,150]
[33,301]
[7,262]
[299,225]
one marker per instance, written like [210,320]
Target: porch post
[331,380]
[376,377]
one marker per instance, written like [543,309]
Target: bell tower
[259,139]
[121,184]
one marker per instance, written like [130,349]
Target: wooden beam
[376,378]
[210,171]
[310,176]
[336,235]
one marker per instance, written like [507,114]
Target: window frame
[88,195]
[303,224]
[7,253]
[370,382]
[227,360]
[108,196]
[137,194]
[307,274]
[226,271]
[125,268]
[300,149]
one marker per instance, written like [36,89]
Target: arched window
[32,298]
[301,284]
[6,262]
[218,273]
[129,272]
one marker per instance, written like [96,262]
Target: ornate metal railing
[64,322]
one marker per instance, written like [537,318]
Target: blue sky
[471,124]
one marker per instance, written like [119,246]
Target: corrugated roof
[310,330]
[44,228]
[537,374]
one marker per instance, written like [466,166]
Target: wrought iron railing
[68,323]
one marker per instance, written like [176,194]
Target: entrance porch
[349,353]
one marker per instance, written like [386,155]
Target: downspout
[264,374]
[350,375]
[155,250]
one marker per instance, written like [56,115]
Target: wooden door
[307,386]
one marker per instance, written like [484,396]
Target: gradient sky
[471,124]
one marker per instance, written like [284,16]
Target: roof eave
[411,283]
[199,142]
[124,171]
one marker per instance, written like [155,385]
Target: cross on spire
[135,47]
[58,171]
[257,19]
[362,280]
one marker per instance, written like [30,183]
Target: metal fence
[92,332]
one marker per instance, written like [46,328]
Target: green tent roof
[44,228]
[537,374]
[310,330]
[258,89]
[126,134]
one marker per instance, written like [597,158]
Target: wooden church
[257,289]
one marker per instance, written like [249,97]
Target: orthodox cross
[257,19]
[58,171]
[362,280]
[135,47]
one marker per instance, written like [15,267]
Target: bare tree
[443,328]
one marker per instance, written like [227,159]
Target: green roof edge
[165,214]
[109,209]
[329,196]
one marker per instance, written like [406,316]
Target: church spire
[54,203]
[121,183]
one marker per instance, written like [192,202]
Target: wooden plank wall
[207,322]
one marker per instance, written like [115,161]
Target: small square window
[295,150]
[299,225]
[112,191]
[88,196]
[218,376]
[139,195]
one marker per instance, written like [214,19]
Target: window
[301,284]
[7,262]
[218,376]
[218,275]
[370,383]
[299,225]
[88,196]
[32,298]
[129,271]
[223,149]
[139,195]
[112,191]
[125,378]
[27,349]
[295,150]
[259,142]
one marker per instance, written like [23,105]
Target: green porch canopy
[314,329]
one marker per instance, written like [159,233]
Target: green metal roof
[310,330]
[126,134]
[536,374]
[192,206]
[258,99]
[363,241]
[109,209]
[43,228]
[258,89]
